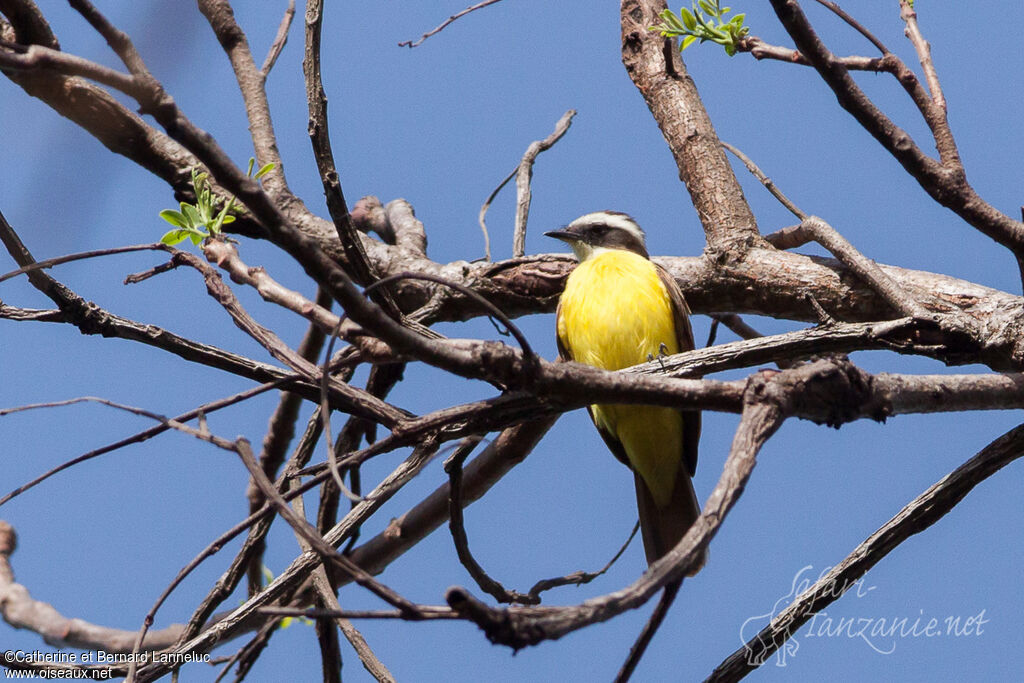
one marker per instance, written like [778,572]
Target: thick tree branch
[658,72]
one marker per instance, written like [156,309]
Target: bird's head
[602,230]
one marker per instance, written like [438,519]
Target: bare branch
[279,40]
[252,84]
[368,215]
[915,517]
[580,578]
[360,402]
[408,231]
[453,466]
[327,598]
[764,410]
[767,182]
[827,236]
[507,450]
[280,431]
[363,270]
[438,29]
[523,175]
[659,74]
[487,205]
[944,181]
[20,610]
[924,52]
[759,50]
[258,524]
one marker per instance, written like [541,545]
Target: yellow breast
[614,313]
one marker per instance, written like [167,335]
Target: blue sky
[441,125]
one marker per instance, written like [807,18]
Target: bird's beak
[563,235]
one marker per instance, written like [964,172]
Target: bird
[620,309]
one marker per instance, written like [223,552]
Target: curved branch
[944,181]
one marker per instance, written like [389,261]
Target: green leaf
[192,214]
[197,236]
[717,35]
[174,218]
[264,170]
[688,19]
[738,20]
[670,23]
[216,224]
[173,237]
[687,42]
[252,162]
[707,7]
[228,219]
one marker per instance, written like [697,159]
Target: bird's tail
[662,527]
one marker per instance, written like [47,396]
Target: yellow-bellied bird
[620,309]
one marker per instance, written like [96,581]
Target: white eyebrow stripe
[612,220]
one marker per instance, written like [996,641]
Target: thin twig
[828,237]
[279,40]
[759,50]
[82,255]
[327,598]
[138,437]
[438,29]
[756,171]
[486,206]
[453,466]
[856,25]
[523,175]
[580,578]
[815,228]
[429,612]
[737,325]
[924,52]
[636,652]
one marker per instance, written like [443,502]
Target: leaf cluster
[202,219]
[692,25]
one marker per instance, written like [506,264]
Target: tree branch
[658,72]
[945,182]
[922,512]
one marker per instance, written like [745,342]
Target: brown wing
[614,445]
[684,337]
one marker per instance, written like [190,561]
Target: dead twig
[524,174]
[445,23]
